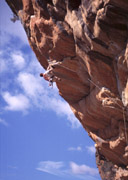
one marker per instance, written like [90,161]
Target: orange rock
[89,39]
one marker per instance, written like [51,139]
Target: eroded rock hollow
[86,42]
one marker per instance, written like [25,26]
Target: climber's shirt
[48,75]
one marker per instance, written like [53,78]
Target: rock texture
[89,39]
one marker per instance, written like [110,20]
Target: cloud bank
[27,89]
[78,148]
[22,88]
[91,149]
[16,102]
[73,169]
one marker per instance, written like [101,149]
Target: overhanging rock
[88,41]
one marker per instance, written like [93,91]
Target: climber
[48,76]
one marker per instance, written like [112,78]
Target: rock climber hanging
[49,74]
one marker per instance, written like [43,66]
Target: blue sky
[39,136]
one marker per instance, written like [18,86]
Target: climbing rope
[105,93]
[123,110]
[125,129]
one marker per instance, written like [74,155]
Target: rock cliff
[86,43]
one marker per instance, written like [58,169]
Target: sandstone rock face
[89,40]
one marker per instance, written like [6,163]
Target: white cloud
[72,170]
[2,121]
[10,59]
[82,169]
[78,148]
[33,89]
[8,28]
[51,167]
[16,103]
[3,66]
[45,98]
[18,60]
[91,149]
[34,66]
[30,85]
[62,108]
[1,52]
